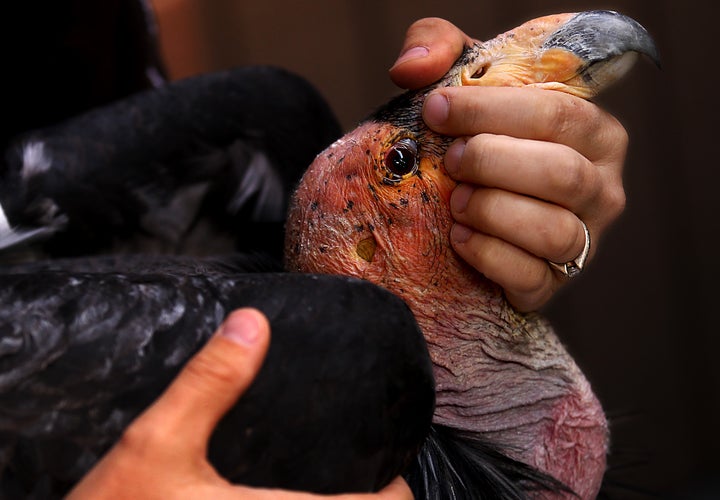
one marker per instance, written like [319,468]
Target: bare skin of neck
[507,376]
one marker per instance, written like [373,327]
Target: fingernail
[242,327]
[460,197]
[453,156]
[460,233]
[412,53]
[436,109]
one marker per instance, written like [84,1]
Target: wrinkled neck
[506,375]
[471,324]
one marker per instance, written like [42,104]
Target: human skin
[532,165]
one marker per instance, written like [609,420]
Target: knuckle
[612,143]
[567,112]
[532,284]
[577,179]
[615,132]
[211,371]
[481,152]
[609,135]
[466,111]
[615,201]
[561,116]
[488,206]
[467,116]
[619,135]
[562,241]
[532,289]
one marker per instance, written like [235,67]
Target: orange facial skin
[401,222]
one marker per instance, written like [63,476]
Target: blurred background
[642,320]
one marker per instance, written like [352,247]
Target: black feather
[82,353]
[456,465]
[216,154]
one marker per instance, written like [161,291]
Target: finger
[548,171]
[543,229]
[212,380]
[529,114]
[431,47]
[396,490]
[527,280]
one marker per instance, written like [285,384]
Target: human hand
[162,454]
[532,165]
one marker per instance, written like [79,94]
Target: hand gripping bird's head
[375,205]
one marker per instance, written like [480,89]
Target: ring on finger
[573,268]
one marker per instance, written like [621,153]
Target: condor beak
[581,54]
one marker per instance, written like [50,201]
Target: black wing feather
[83,353]
[222,150]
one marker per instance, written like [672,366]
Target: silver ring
[573,268]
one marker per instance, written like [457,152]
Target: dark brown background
[642,321]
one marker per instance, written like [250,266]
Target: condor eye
[400,161]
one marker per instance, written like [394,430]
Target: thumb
[214,378]
[431,47]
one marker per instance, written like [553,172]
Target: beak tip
[598,35]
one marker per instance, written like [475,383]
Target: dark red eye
[401,161]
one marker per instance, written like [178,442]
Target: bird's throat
[506,376]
